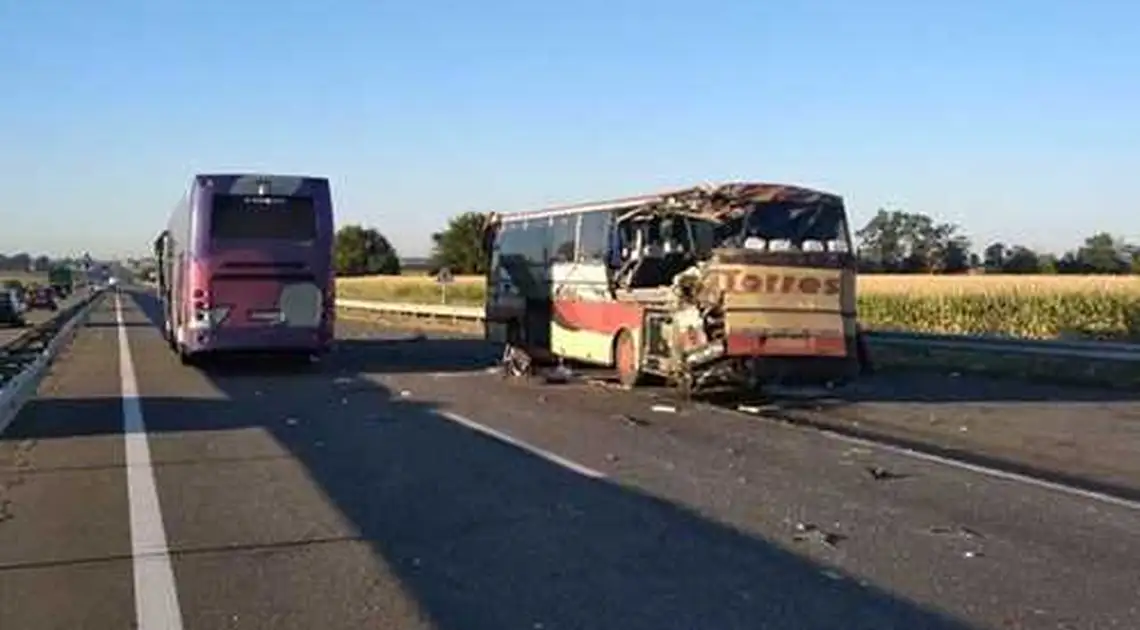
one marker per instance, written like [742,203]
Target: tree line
[24,261]
[892,241]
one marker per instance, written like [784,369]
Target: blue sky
[1018,119]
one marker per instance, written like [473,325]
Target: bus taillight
[204,314]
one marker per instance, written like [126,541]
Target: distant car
[18,289]
[42,297]
[11,310]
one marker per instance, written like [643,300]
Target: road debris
[810,532]
[964,532]
[878,473]
[632,420]
[664,408]
[559,375]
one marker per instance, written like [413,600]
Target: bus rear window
[263,217]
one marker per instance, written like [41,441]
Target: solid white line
[533,450]
[950,461]
[989,472]
[156,596]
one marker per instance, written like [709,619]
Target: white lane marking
[947,461]
[156,596]
[585,471]
[990,472]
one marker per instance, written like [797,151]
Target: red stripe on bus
[597,316]
[758,344]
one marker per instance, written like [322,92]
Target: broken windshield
[779,226]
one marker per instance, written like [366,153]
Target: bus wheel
[185,357]
[625,359]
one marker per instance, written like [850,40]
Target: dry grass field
[24,276]
[1103,307]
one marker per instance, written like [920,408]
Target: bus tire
[626,360]
[186,358]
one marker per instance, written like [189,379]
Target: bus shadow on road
[419,354]
[116,325]
[481,534]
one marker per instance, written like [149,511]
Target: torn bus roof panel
[710,200]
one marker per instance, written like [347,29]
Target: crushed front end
[770,299]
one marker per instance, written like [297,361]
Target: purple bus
[245,264]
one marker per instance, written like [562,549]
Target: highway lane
[1081,436]
[345,497]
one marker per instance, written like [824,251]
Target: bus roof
[711,199]
[248,183]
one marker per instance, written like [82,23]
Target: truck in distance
[61,279]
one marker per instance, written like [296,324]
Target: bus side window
[594,236]
[562,238]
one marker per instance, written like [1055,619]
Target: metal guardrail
[1094,350]
[24,360]
[18,352]
[1086,350]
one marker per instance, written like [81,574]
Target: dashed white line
[585,471]
[156,596]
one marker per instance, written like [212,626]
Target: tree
[897,241]
[361,251]
[1101,253]
[1017,259]
[993,257]
[460,246]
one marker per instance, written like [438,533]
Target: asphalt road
[400,485]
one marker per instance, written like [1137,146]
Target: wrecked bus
[737,285]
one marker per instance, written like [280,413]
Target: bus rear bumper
[312,340]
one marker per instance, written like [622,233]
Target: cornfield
[1044,307]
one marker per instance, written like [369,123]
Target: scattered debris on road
[632,421]
[810,532]
[559,375]
[878,473]
[964,532]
